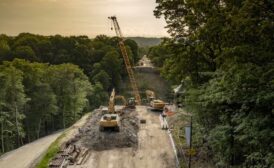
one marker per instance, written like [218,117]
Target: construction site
[132,134]
[136,84]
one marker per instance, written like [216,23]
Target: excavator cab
[131,103]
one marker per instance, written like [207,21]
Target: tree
[98,96]
[227,53]
[103,78]
[4,50]
[13,102]
[42,104]
[71,87]
[134,49]
[111,59]
[25,52]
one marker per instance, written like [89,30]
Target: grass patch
[51,152]
[55,146]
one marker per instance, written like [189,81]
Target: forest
[49,82]
[222,53]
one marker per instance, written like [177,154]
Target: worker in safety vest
[164,113]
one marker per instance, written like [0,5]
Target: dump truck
[156,104]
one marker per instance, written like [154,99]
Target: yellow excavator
[156,104]
[130,103]
[111,119]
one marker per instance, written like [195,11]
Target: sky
[80,17]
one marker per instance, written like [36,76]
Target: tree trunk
[63,112]
[2,136]
[17,126]
[38,129]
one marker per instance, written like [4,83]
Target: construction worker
[164,113]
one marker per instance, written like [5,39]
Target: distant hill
[146,41]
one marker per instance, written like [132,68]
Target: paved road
[24,156]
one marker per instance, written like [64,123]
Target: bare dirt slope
[24,156]
[148,78]
[153,150]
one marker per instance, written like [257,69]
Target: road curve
[24,156]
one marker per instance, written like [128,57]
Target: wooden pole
[190,144]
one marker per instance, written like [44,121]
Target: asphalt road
[24,156]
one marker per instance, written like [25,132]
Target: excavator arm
[111,103]
[121,98]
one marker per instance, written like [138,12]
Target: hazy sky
[79,17]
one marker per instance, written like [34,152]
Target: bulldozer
[156,104]
[111,119]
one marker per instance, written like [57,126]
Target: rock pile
[92,138]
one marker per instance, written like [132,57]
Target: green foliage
[56,80]
[224,56]
[158,54]
[12,102]
[111,59]
[71,87]
[103,78]
[51,152]
[79,50]
[133,48]
[4,49]
[37,99]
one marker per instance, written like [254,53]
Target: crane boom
[126,59]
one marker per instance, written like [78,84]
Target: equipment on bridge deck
[130,103]
[126,59]
[111,119]
[150,95]
[156,104]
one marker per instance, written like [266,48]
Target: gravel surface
[92,138]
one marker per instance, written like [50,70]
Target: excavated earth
[94,139]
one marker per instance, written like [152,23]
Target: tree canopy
[223,53]
[49,82]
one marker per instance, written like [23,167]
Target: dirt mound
[94,139]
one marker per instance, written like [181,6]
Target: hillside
[146,41]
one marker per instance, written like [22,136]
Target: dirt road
[24,156]
[154,148]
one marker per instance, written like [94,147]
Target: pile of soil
[94,139]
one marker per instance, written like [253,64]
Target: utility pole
[190,144]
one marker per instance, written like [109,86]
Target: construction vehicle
[130,103]
[130,72]
[111,119]
[156,104]
[150,95]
